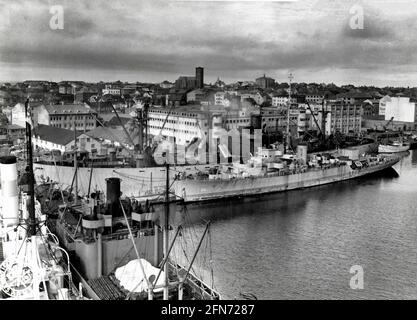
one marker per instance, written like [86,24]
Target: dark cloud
[230,39]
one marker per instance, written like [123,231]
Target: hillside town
[103,115]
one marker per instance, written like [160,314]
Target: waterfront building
[382,104]
[183,123]
[275,120]
[371,109]
[343,117]
[401,108]
[66,115]
[50,138]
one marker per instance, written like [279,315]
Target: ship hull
[392,149]
[137,183]
[198,190]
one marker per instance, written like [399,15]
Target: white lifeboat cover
[131,277]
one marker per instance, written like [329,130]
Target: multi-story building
[382,104]
[282,100]
[343,117]
[314,98]
[183,123]
[65,116]
[219,98]
[274,121]
[401,108]
[265,82]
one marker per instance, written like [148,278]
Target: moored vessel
[394,147]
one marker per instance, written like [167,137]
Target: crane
[165,121]
[314,118]
[388,123]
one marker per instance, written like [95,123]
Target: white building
[51,138]
[183,123]
[112,91]
[401,109]
[382,104]
[282,100]
[219,98]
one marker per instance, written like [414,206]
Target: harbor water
[301,244]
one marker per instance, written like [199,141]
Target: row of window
[175,130]
[88,125]
[52,118]
[237,121]
[184,114]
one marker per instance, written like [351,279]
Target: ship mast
[165,234]
[32,218]
[288,138]
[75,165]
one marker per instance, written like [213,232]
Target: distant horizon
[207,83]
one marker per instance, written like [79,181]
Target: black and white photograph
[210,150]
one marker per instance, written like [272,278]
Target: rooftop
[111,134]
[55,135]
[68,108]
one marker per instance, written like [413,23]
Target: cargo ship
[120,248]
[33,265]
[268,171]
[114,248]
[279,173]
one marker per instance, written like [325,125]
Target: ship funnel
[113,196]
[9,201]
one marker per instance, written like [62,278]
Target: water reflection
[300,244]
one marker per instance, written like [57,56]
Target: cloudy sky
[155,40]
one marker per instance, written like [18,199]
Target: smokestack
[9,195]
[113,196]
